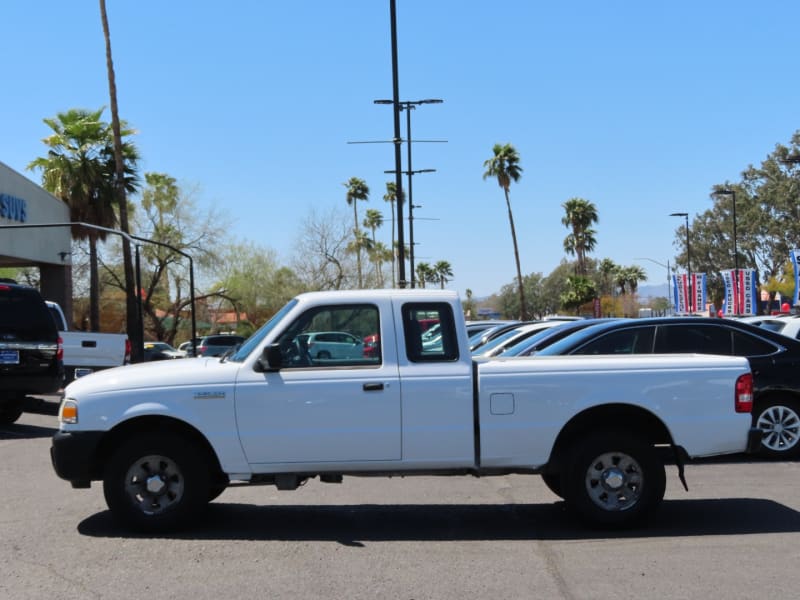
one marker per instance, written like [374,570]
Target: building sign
[741,292]
[13,208]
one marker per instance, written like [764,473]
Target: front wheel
[156,483]
[613,480]
[780,422]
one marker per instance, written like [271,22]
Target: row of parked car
[769,343]
[210,345]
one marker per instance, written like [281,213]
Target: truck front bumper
[73,456]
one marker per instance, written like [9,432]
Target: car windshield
[255,340]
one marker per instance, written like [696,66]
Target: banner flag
[741,293]
[679,292]
[796,295]
[698,292]
[684,301]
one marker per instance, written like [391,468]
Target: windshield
[255,340]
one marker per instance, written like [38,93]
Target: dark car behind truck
[30,349]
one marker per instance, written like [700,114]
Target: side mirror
[271,359]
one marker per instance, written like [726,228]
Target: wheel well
[609,417]
[154,424]
[773,396]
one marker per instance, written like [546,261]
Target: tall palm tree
[372,220]
[135,328]
[504,165]
[356,190]
[391,197]
[80,170]
[443,272]
[580,216]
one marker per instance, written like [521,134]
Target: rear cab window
[429,332]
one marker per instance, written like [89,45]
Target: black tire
[10,410]
[156,482]
[215,490]
[779,418]
[553,483]
[613,480]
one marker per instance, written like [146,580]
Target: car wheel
[613,480]
[553,483]
[11,410]
[156,483]
[780,422]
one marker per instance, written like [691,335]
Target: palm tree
[391,197]
[633,275]
[504,165]
[356,190]
[443,272]
[579,217]
[607,269]
[425,273]
[80,170]
[134,328]
[372,221]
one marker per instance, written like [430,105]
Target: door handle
[373,387]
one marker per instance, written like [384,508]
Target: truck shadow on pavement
[351,525]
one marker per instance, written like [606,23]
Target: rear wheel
[156,483]
[613,480]
[10,410]
[779,419]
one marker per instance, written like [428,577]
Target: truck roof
[405,294]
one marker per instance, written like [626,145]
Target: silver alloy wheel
[614,481]
[154,483]
[781,426]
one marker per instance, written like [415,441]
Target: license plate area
[9,357]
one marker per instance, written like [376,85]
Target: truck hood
[158,374]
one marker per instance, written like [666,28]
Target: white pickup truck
[88,351]
[167,438]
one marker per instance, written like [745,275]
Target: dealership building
[23,206]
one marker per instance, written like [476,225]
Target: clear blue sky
[639,107]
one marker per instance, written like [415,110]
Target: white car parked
[332,344]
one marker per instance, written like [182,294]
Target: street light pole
[736,302]
[666,266]
[408,106]
[690,300]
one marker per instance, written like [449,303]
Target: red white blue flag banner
[741,292]
[796,296]
[689,298]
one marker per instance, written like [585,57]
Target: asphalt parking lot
[735,534]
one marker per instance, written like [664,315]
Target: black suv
[30,349]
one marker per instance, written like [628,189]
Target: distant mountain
[652,291]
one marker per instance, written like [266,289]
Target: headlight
[68,411]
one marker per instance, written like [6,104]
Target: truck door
[438,412]
[327,406]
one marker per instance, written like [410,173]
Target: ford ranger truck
[167,438]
